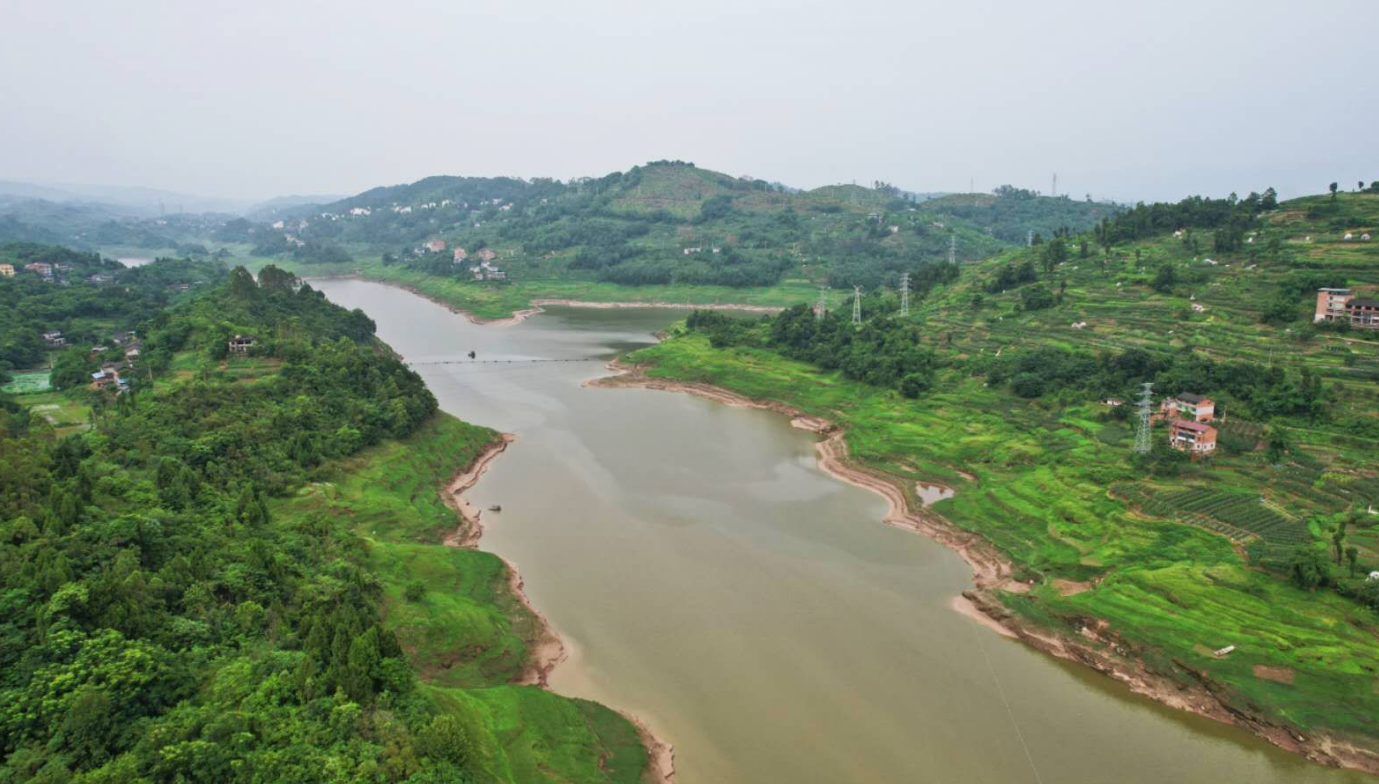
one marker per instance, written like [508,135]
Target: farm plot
[28,383]
[1239,516]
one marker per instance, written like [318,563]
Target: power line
[1010,712]
[504,361]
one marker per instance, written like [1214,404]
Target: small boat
[495,508]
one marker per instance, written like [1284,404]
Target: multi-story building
[1194,438]
[1341,305]
[1188,406]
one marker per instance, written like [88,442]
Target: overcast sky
[259,98]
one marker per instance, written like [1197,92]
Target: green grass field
[467,635]
[27,383]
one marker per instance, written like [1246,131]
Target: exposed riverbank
[993,573]
[547,649]
[538,305]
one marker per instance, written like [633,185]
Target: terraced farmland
[1239,516]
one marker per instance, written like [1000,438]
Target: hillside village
[665,223]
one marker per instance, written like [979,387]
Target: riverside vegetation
[995,385]
[234,570]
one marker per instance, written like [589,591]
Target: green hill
[667,226]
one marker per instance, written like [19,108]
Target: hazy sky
[252,99]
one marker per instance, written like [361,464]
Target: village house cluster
[1187,415]
[112,374]
[1342,306]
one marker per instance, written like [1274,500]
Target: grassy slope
[469,636]
[1170,592]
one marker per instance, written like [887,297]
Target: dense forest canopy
[158,624]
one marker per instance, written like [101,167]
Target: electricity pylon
[905,295]
[823,303]
[953,249]
[856,306]
[1142,445]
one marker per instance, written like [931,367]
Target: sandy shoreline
[537,304]
[992,572]
[548,650]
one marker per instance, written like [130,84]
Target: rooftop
[1196,427]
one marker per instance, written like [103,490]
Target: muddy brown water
[710,579]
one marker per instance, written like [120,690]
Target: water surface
[712,580]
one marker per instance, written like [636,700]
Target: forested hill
[232,572]
[665,223]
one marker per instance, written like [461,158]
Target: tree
[242,285]
[1309,568]
[1352,555]
[1277,446]
[1028,385]
[1333,187]
[1036,298]
[916,384]
[1165,279]
[1338,542]
[1269,200]
[447,739]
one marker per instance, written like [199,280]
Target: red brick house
[1194,438]
[1341,305]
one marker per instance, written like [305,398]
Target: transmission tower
[905,295]
[1029,238]
[823,303]
[953,249]
[1055,183]
[856,306]
[1142,434]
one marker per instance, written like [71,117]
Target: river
[754,611]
